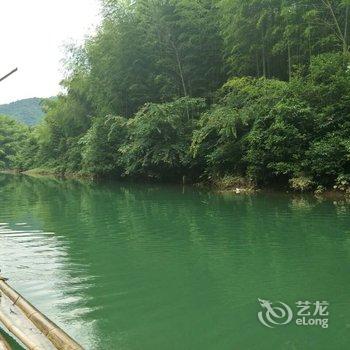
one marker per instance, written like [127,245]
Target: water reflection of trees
[132,242]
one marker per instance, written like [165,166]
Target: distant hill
[27,111]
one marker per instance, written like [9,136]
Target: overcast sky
[32,38]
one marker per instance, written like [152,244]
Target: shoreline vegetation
[225,186]
[235,95]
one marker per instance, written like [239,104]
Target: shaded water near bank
[138,267]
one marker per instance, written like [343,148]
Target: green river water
[146,267]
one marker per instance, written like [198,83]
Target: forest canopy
[205,89]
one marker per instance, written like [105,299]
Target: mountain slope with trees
[28,111]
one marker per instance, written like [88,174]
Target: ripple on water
[128,267]
[35,262]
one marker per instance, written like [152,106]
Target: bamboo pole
[4,344]
[7,75]
[60,339]
[6,321]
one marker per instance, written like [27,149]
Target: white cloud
[32,38]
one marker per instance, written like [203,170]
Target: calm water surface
[142,267]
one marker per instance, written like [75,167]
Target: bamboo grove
[208,89]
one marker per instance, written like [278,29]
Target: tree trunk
[179,65]
[263,53]
[342,36]
[289,63]
[345,42]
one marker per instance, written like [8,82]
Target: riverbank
[226,184]
[47,172]
[233,185]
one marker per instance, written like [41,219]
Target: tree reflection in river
[134,266]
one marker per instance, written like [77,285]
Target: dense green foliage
[206,89]
[13,140]
[267,37]
[274,131]
[27,111]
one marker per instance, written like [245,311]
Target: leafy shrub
[229,182]
[278,141]
[99,146]
[342,182]
[301,183]
[13,137]
[220,141]
[159,139]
